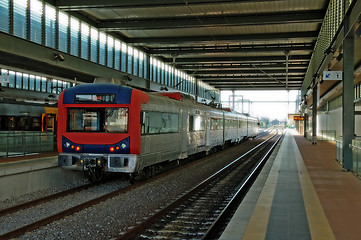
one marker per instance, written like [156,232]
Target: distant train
[112,128]
[21,116]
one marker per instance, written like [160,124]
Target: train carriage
[112,128]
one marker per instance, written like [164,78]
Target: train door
[48,122]
[247,126]
[184,132]
[224,128]
[208,127]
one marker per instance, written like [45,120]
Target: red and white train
[112,128]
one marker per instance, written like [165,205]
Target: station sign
[332,75]
[298,118]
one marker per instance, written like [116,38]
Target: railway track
[45,199]
[200,213]
[8,215]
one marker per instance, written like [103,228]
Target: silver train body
[219,128]
[171,129]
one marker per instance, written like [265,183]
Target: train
[108,128]
[21,116]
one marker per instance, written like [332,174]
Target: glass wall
[25,81]
[50,18]
[36,13]
[56,29]
[19,18]
[74,36]
[4,13]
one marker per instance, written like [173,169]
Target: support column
[233,99]
[305,121]
[314,114]
[197,90]
[147,66]
[348,109]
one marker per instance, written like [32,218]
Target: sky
[272,104]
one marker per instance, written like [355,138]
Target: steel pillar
[305,121]
[348,108]
[314,114]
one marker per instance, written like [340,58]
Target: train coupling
[92,162]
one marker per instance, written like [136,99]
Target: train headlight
[67,144]
[123,145]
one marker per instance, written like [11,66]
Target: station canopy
[245,44]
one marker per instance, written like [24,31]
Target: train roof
[122,94]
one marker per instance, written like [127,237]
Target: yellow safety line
[317,221]
[257,226]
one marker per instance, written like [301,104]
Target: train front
[99,128]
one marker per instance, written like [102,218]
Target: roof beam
[289,36]
[258,87]
[248,81]
[241,67]
[254,83]
[213,21]
[232,48]
[245,78]
[245,71]
[75,5]
[246,59]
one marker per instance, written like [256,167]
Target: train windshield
[112,120]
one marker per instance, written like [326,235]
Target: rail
[75,207]
[214,184]
[239,194]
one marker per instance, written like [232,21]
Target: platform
[27,174]
[302,193]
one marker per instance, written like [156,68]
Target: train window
[158,122]
[112,120]
[234,124]
[231,124]
[24,123]
[116,120]
[242,123]
[196,123]
[36,124]
[216,123]
[227,123]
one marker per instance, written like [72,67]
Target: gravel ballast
[109,219]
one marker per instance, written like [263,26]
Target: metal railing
[20,143]
[356,156]
[356,153]
[339,148]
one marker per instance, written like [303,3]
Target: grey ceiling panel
[228,44]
